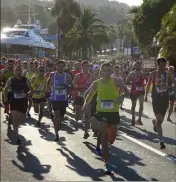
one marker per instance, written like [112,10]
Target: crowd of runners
[96,91]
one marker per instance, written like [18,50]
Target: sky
[132,2]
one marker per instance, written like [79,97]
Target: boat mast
[29,9]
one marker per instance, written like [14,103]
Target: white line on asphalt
[162,154]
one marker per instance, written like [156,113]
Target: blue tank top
[59,87]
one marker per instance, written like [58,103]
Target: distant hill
[108,11]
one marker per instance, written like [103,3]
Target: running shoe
[95,134]
[86,135]
[38,123]
[18,141]
[169,119]
[98,151]
[107,169]
[140,122]
[56,138]
[162,145]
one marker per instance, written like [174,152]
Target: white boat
[25,39]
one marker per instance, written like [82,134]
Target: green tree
[112,32]
[87,34]
[167,36]
[66,13]
[147,20]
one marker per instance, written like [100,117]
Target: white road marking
[162,154]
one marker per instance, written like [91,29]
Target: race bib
[107,104]
[60,92]
[19,95]
[161,88]
[81,94]
[37,93]
[139,88]
[171,93]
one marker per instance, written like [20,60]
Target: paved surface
[73,159]
[145,133]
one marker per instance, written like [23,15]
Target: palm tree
[112,32]
[88,33]
[66,12]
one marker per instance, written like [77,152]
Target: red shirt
[74,72]
[1,67]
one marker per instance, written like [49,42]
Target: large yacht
[25,40]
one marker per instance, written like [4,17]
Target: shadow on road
[144,134]
[30,163]
[120,160]
[136,113]
[70,125]
[80,166]
[45,132]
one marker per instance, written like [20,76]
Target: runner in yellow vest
[107,118]
[29,73]
[39,86]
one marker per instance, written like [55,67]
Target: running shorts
[112,118]
[60,106]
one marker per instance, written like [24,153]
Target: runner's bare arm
[3,80]
[87,92]
[120,84]
[171,76]
[75,80]
[24,73]
[7,86]
[148,85]
[93,89]
[48,84]
[128,79]
[69,81]
[30,88]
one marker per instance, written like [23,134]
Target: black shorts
[20,105]
[112,118]
[60,106]
[38,101]
[172,97]
[79,101]
[134,97]
[160,103]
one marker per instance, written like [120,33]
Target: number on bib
[81,94]
[139,88]
[19,95]
[161,89]
[60,92]
[37,92]
[171,93]
[107,104]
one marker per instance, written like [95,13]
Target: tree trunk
[84,52]
[58,42]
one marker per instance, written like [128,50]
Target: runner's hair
[161,60]
[84,62]
[10,61]
[105,65]
[61,62]
[116,66]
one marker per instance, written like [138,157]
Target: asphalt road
[145,133]
[73,158]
